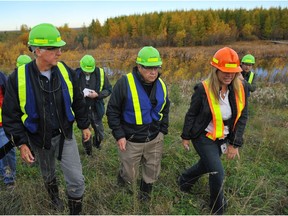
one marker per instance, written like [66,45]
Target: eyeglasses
[51,48]
[151,67]
[247,64]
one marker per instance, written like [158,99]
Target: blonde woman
[215,124]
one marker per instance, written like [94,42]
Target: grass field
[256,184]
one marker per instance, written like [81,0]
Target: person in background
[138,116]
[247,74]
[41,102]
[215,123]
[23,59]
[8,162]
[95,86]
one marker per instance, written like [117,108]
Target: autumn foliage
[186,40]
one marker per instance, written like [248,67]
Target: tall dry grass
[257,184]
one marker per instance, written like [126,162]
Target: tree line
[187,28]
[160,29]
[178,28]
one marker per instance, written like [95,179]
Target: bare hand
[185,144]
[122,144]
[232,152]
[26,154]
[86,134]
[92,94]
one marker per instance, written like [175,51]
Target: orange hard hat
[226,60]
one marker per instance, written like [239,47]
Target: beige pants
[149,154]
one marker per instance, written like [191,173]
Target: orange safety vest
[218,131]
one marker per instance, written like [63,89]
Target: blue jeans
[209,163]
[8,163]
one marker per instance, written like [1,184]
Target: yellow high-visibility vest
[218,130]
[251,77]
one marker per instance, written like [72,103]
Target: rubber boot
[56,202]
[88,147]
[186,185]
[145,191]
[75,205]
[97,141]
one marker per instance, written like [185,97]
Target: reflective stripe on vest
[27,97]
[218,131]
[102,78]
[251,77]
[138,108]
[0,116]
[66,83]
[240,102]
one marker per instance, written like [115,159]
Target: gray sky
[77,14]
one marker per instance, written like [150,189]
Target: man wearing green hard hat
[138,116]
[247,74]
[43,100]
[95,86]
[23,59]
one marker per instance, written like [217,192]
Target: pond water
[274,75]
[262,74]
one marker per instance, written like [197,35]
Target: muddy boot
[145,191]
[56,202]
[75,205]
[88,147]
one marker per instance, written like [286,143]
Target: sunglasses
[51,48]
[151,67]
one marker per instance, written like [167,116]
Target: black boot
[145,191]
[56,202]
[97,141]
[75,205]
[120,181]
[88,147]
[218,207]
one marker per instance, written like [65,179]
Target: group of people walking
[45,96]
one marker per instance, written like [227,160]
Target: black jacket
[12,113]
[251,87]
[94,83]
[199,116]
[134,133]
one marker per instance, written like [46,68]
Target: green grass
[256,184]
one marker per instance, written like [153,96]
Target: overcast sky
[77,14]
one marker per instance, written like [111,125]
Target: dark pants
[209,163]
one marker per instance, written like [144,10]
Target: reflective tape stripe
[135,99]
[22,91]
[218,131]
[102,78]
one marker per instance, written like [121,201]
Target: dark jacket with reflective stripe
[94,83]
[45,104]
[132,132]
[199,116]
[251,87]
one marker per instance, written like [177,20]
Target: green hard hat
[45,34]
[23,59]
[249,59]
[88,63]
[149,56]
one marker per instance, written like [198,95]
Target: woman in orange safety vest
[215,123]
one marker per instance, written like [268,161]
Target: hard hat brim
[88,70]
[227,70]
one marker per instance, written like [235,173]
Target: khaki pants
[149,154]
